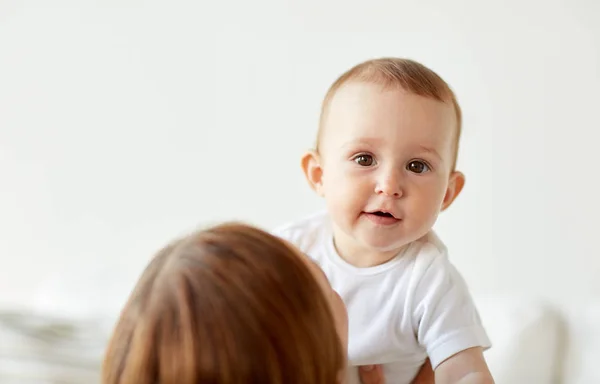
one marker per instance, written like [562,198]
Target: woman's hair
[229,304]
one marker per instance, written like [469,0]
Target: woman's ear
[313,171]
[455,186]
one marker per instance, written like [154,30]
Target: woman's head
[229,304]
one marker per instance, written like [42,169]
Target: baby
[385,164]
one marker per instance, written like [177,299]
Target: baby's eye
[364,160]
[417,166]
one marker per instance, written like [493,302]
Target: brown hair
[228,304]
[397,72]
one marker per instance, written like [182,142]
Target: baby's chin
[385,245]
[389,243]
[391,250]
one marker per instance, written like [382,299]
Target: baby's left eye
[418,166]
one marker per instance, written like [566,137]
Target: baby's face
[386,157]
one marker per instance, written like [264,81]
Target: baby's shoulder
[428,256]
[429,248]
[432,272]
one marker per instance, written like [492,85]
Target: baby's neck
[363,257]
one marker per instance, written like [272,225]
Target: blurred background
[126,123]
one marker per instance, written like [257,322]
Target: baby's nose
[389,184]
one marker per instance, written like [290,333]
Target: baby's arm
[448,324]
[465,367]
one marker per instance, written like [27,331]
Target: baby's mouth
[382,218]
[382,214]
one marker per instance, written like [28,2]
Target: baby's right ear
[313,171]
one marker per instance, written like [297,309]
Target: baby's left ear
[455,186]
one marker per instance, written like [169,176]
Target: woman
[231,304]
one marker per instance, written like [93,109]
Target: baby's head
[385,156]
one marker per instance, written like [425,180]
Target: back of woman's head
[230,304]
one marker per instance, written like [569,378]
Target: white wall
[126,123]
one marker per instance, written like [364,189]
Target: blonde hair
[401,73]
[230,304]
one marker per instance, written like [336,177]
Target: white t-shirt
[414,306]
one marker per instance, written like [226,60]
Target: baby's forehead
[363,111]
[377,135]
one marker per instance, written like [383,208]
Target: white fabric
[414,306]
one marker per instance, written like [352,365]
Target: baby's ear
[311,166]
[455,186]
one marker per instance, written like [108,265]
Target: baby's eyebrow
[370,141]
[430,150]
[366,140]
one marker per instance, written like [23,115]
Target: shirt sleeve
[445,315]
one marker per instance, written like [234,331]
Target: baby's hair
[229,304]
[396,73]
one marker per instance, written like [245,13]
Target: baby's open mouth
[382,214]
[382,218]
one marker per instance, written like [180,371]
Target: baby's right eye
[364,160]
